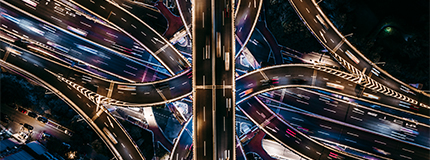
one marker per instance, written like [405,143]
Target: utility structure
[213,80]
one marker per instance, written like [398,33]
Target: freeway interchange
[220,31]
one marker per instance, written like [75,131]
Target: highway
[295,140]
[179,86]
[203,99]
[146,93]
[246,18]
[352,59]
[73,20]
[95,115]
[239,80]
[213,81]
[183,147]
[184,7]
[17,120]
[148,13]
[349,135]
[77,48]
[140,32]
[311,76]
[345,112]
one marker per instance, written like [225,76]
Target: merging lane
[354,61]
[349,135]
[104,124]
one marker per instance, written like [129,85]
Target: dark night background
[391,31]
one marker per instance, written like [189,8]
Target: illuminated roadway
[240,80]
[307,81]
[269,122]
[184,7]
[76,22]
[387,137]
[77,48]
[246,18]
[213,81]
[142,33]
[296,141]
[92,111]
[38,61]
[304,75]
[346,112]
[353,60]
[183,147]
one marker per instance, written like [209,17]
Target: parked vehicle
[42,119]
[22,110]
[29,127]
[46,135]
[32,114]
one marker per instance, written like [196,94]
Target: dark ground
[405,48]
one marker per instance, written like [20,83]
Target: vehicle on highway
[110,136]
[77,63]
[126,88]
[335,86]
[46,135]
[38,50]
[352,57]
[319,18]
[246,92]
[182,64]
[22,110]
[266,82]
[29,127]
[32,114]
[322,36]
[371,96]
[226,10]
[42,119]
[218,44]
[189,151]
[227,61]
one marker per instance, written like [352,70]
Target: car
[29,127]
[32,114]
[266,82]
[46,135]
[42,119]
[22,110]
